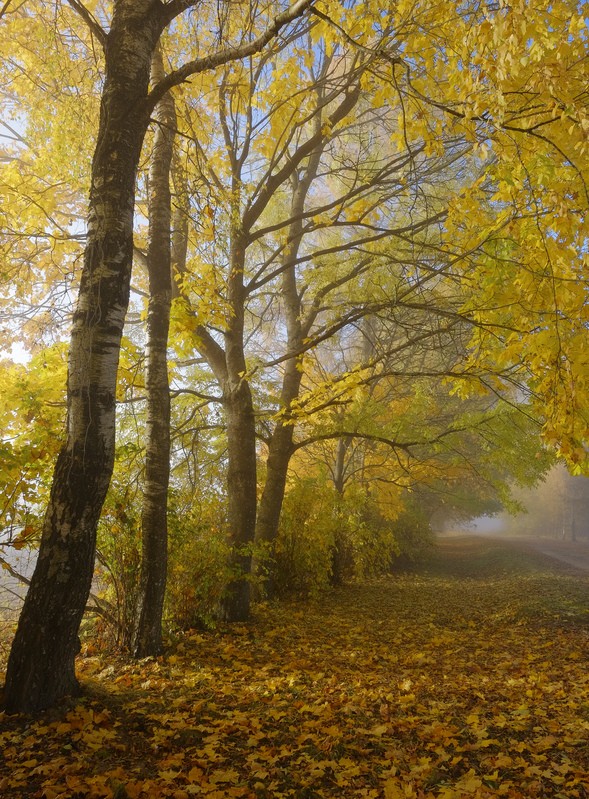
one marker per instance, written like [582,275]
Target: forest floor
[464,678]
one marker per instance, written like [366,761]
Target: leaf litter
[465,678]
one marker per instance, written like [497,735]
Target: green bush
[413,534]
[197,566]
[303,552]
[197,570]
[326,538]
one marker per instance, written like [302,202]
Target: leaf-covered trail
[465,678]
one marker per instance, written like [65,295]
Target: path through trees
[465,677]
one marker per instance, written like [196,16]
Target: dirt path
[571,553]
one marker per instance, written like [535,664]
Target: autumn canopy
[283,285]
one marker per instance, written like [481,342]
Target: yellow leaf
[168,775]
[195,774]
[394,790]
[229,775]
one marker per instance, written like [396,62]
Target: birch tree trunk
[147,639]
[41,663]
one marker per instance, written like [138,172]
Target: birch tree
[41,663]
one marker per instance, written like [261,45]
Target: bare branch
[213,353]
[404,445]
[226,55]
[253,213]
[92,23]
[178,392]
[4,8]
[13,572]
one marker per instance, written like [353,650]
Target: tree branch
[348,102]
[89,19]
[213,353]
[226,55]
[4,8]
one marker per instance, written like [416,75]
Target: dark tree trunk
[41,663]
[228,364]
[232,374]
[241,439]
[241,494]
[339,552]
[280,450]
[147,639]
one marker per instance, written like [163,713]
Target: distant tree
[557,508]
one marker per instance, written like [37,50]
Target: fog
[13,590]
[486,525]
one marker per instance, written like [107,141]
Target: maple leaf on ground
[463,678]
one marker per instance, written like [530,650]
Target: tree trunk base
[35,683]
[235,606]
